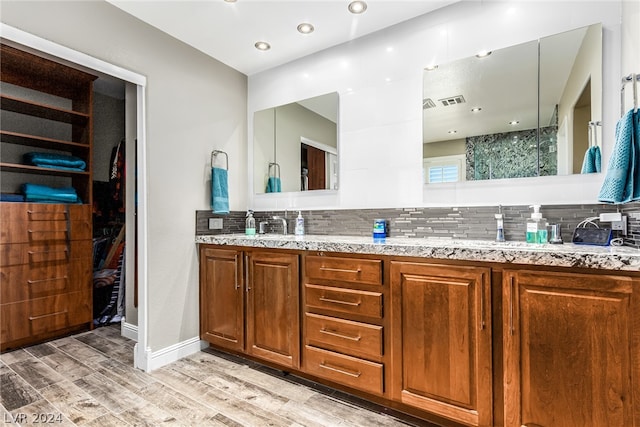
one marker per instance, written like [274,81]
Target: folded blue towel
[44,194]
[622,182]
[10,197]
[55,161]
[592,160]
[274,185]
[219,191]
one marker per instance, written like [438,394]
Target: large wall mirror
[295,146]
[533,109]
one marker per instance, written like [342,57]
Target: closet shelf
[43,111]
[40,141]
[20,168]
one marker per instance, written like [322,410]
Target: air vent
[452,100]
[427,103]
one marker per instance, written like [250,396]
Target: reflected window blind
[448,173]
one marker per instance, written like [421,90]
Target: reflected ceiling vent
[452,100]
[427,103]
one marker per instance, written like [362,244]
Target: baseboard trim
[129,331]
[162,357]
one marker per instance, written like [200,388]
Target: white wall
[193,105]
[379,79]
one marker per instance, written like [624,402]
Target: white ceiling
[228,31]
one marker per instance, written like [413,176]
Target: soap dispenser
[250,224]
[299,225]
[499,225]
[536,227]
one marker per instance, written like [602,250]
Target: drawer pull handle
[337,301]
[339,335]
[355,374]
[341,270]
[57,313]
[64,251]
[47,216]
[47,231]
[33,282]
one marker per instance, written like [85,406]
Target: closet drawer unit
[350,270]
[350,371]
[21,282]
[43,315]
[352,338]
[46,253]
[341,300]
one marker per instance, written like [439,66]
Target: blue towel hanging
[274,185]
[622,182]
[592,160]
[219,191]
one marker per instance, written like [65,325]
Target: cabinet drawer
[44,253]
[42,315]
[22,282]
[38,212]
[342,300]
[353,338]
[40,231]
[352,270]
[347,370]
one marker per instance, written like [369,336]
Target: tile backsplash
[474,223]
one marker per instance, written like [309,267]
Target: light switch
[215,223]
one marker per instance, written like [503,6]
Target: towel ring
[276,168]
[214,153]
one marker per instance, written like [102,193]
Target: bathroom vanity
[455,332]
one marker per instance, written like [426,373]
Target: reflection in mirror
[295,146]
[482,118]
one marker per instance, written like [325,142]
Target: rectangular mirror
[527,110]
[295,146]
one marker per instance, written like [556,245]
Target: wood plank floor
[89,380]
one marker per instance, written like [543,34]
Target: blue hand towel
[274,185]
[592,160]
[622,182]
[219,191]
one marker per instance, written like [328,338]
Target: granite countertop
[565,255]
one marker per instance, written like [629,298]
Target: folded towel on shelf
[10,197]
[219,190]
[592,160]
[273,185]
[43,194]
[55,161]
[622,181]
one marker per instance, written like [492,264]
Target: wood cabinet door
[441,343]
[570,349]
[273,325]
[221,298]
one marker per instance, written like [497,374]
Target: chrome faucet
[284,223]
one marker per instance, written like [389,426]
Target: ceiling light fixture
[230,1]
[305,28]
[514,122]
[476,109]
[452,132]
[483,54]
[262,46]
[357,7]
[431,67]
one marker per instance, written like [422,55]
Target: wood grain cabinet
[571,349]
[441,320]
[249,303]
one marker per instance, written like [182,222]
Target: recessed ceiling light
[305,28]
[357,6]
[230,1]
[476,109]
[431,67]
[262,46]
[514,122]
[453,131]
[483,53]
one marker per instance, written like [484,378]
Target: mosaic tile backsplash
[473,223]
